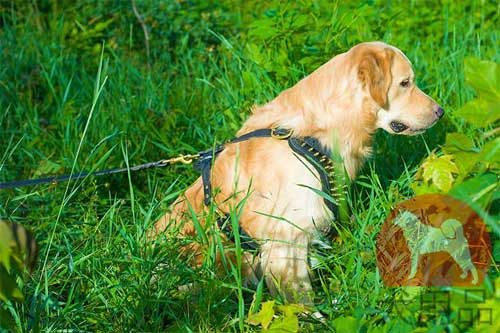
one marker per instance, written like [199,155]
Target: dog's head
[387,79]
[405,219]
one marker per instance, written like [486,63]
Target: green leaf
[440,171]
[423,188]
[255,54]
[408,293]
[484,77]
[480,112]
[496,251]
[6,320]
[103,25]
[47,167]
[478,189]
[9,290]
[291,309]
[491,151]
[466,161]
[458,142]
[285,324]
[263,29]
[264,316]
[13,257]
[7,244]
[257,296]
[346,324]
[401,325]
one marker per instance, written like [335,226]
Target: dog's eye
[405,83]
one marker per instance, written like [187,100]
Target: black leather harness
[306,147]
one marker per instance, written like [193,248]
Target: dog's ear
[374,72]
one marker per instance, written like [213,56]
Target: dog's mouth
[399,127]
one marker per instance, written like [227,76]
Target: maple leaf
[439,171]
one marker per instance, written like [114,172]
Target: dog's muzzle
[397,127]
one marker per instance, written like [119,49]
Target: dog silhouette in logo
[423,239]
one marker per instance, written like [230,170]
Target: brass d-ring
[282,136]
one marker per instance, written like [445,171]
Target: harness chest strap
[307,147]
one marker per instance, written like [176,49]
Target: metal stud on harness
[307,147]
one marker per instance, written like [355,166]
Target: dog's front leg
[414,265]
[286,269]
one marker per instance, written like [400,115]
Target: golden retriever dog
[341,104]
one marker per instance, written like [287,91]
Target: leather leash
[184,159]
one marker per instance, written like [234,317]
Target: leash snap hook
[184,159]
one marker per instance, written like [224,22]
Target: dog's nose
[438,111]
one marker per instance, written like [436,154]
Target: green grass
[65,106]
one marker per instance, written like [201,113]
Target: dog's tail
[452,229]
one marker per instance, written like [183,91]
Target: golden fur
[341,104]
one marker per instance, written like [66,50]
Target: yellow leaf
[264,316]
[439,171]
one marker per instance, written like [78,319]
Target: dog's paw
[315,316]
[187,287]
[318,316]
